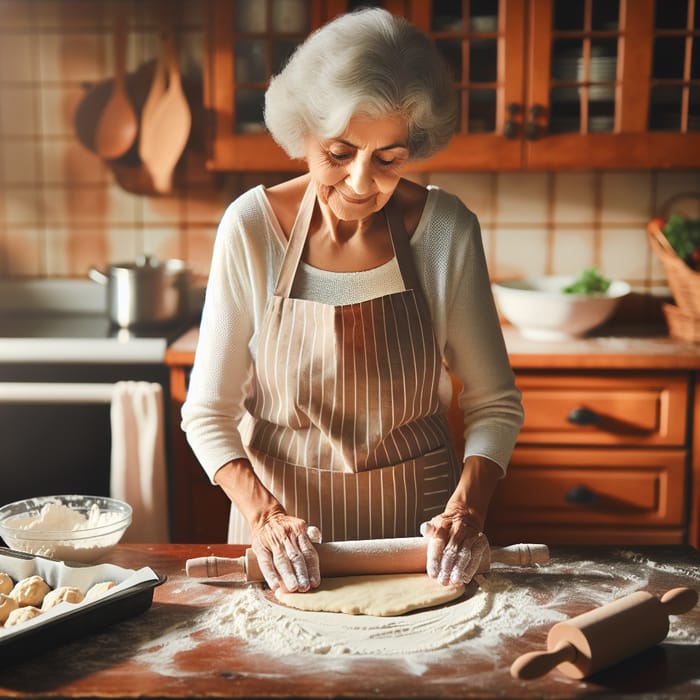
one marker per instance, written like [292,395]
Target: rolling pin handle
[537,663]
[679,600]
[520,554]
[211,567]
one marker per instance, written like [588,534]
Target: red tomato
[659,221]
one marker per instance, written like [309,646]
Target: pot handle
[98,276]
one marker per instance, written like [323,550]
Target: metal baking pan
[81,620]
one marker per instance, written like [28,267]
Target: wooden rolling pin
[403,555]
[605,635]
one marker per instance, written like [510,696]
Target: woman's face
[357,172]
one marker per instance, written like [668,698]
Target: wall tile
[86,247]
[16,14]
[199,244]
[17,61]
[625,197]
[519,252]
[204,206]
[19,162]
[163,242]
[573,250]
[573,198]
[69,163]
[57,259]
[78,205]
[71,14]
[625,253]
[161,210]
[19,109]
[122,207]
[70,57]
[487,238]
[23,205]
[124,244]
[522,198]
[57,111]
[678,191]
[23,247]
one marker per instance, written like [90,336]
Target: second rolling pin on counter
[606,635]
[403,555]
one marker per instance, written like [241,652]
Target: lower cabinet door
[585,495]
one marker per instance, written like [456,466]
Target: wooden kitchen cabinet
[543,84]
[602,458]
[200,509]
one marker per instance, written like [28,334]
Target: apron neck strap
[297,239]
[402,247]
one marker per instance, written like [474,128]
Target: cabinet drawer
[604,410]
[592,487]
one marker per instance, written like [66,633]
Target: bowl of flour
[65,528]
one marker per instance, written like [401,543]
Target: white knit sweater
[449,257]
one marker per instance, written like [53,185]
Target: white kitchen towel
[138,472]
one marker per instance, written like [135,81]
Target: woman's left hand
[455,548]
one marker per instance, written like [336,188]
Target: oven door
[55,428]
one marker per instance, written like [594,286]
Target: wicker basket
[683,281]
[680,325]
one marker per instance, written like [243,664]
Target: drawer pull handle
[583,416]
[581,496]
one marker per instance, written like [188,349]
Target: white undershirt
[340,288]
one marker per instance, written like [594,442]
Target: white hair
[369,62]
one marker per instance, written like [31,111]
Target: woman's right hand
[285,552]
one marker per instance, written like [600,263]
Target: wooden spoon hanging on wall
[150,106]
[117,126]
[166,126]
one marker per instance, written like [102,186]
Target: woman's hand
[457,542]
[455,547]
[285,553]
[282,543]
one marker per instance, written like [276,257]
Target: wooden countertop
[168,652]
[622,348]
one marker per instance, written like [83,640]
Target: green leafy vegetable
[589,281]
[684,236]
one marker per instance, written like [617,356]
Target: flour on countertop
[506,604]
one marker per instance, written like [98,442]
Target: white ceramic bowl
[71,528]
[541,311]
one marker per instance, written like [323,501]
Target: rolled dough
[381,595]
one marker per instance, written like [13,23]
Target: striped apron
[344,424]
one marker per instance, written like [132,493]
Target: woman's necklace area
[349,251]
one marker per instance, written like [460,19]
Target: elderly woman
[335,302]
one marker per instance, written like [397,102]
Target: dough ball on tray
[6,583]
[99,589]
[30,591]
[62,594]
[7,605]
[20,615]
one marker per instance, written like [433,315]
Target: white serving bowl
[66,528]
[541,311]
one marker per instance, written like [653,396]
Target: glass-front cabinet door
[483,43]
[613,84]
[543,84]
[247,42]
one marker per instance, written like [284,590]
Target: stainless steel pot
[145,292]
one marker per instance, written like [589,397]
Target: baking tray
[68,622]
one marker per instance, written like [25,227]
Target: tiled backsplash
[62,210]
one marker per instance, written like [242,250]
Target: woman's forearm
[475,489]
[254,502]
